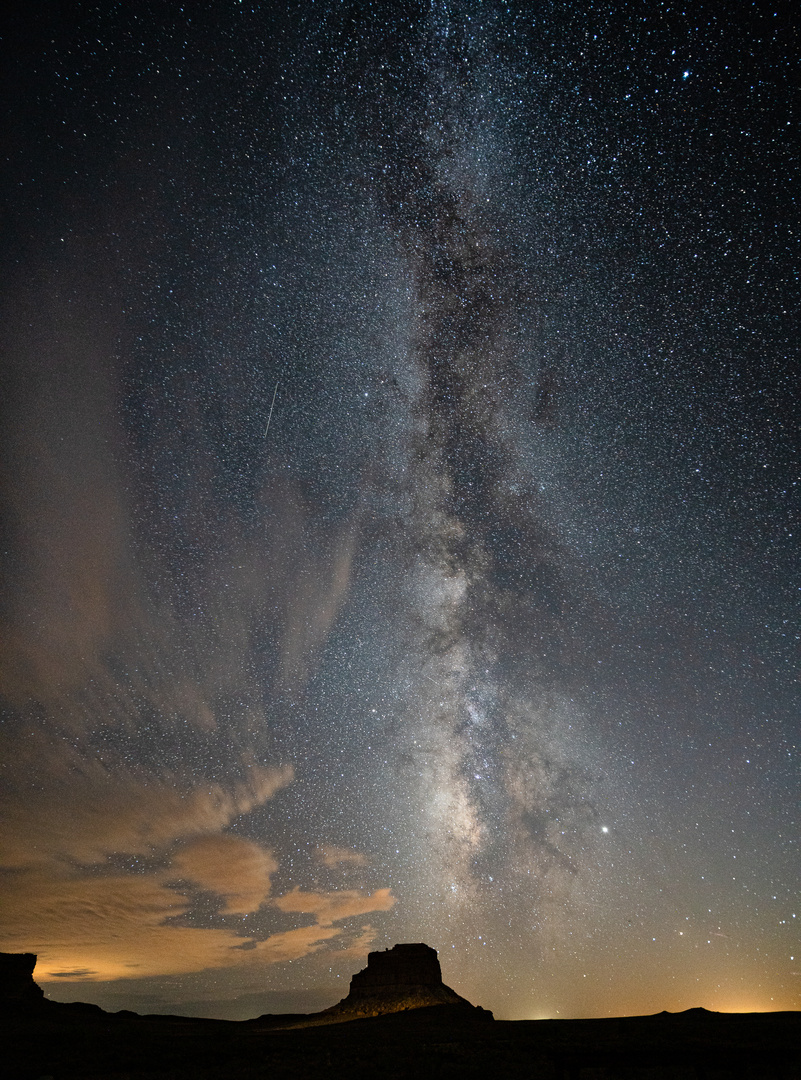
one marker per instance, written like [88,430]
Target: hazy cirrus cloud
[237,870]
[332,906]
[330,855]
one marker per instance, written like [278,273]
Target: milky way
[399,480]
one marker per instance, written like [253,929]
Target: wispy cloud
[236,870]
[321,571]
[136,733]
[85,810]
[104,926]
[360,946]
[111,927]
[331,907]
[331,856]
[293,944]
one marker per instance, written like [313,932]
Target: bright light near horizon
[604,828]
[740,1005]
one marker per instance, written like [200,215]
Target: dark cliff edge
[42,1038]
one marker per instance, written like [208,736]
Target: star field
[401,482]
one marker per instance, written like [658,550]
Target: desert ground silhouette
[398,1020]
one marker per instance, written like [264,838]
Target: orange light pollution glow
[398,494]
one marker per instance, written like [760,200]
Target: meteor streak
[269,418]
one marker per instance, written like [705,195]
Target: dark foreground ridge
[42,1038]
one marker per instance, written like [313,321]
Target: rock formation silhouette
[404,977]
[17,988]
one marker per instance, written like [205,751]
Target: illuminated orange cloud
[333,906]
[237,870]
[292,944]
[85,811]
[105,927]
[101,928]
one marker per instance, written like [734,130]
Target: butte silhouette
[396,980]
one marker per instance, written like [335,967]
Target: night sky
[399,483]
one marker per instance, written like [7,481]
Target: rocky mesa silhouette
[17,988]
[397,980]
[404,977]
